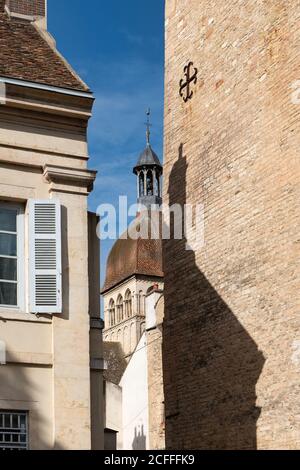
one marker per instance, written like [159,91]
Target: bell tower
[148,171]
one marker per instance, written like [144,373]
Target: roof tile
[26,55]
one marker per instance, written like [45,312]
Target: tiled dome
[130,257]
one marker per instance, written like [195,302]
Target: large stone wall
[154,327]
[232,324]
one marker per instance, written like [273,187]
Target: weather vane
[148,124]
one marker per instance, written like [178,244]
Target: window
[142,184]
[13,430]
[11,241]
[141,303]
[128,304]
[149,183]
[120,309]
[45,262]
[112,313]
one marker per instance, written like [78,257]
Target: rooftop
[26,54]
[130,257]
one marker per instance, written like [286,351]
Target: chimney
[33,10]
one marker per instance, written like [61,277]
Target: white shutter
[45,276]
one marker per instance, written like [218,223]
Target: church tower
[149,174]
[134,266]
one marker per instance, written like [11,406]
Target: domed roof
[130,257]
[148,158]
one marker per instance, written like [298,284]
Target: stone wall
[43,155]
[231,331]
[154,327]
[129,330]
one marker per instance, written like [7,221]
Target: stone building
[50,328]
[133,306]
[154,331]
[134,263]
[232,327]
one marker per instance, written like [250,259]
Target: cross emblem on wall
[190,74]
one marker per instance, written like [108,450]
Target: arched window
[149,183]
[141,303]
[128,304]
[112,313]
[157,185]
[120,316]
[141,184]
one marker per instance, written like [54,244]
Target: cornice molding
[69,180]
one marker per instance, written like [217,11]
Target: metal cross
[148,124]
[185,83]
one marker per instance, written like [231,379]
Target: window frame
[20,307]
[112,312]
[16,430]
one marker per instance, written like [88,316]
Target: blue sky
[117,47]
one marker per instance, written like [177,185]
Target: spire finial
[148,124]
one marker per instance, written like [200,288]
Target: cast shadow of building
[139,441]
[211,364]
[18,393]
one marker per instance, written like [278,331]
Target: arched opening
[112,313]
[120,309]
[141,303]
[150,290]
[149,183]
[126,340]
[157,185]
[128,304]
[141,184]
[119,337]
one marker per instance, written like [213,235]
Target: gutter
[40,86]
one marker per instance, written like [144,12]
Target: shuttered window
[11,255]
[45,256]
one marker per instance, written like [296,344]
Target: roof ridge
[27,52]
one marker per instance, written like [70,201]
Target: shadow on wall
[65,264]
[18,392]
[139,441]
[211,364]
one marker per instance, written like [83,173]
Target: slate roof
[26,55]
[130,257]
[147,158]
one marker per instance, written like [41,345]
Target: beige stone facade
[156,399]
[232,328]
[53,369]
[124,308]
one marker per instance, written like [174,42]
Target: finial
[148,124]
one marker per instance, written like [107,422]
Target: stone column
[135,306]
[138,184]
[154,182]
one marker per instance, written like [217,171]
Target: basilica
[133,314]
